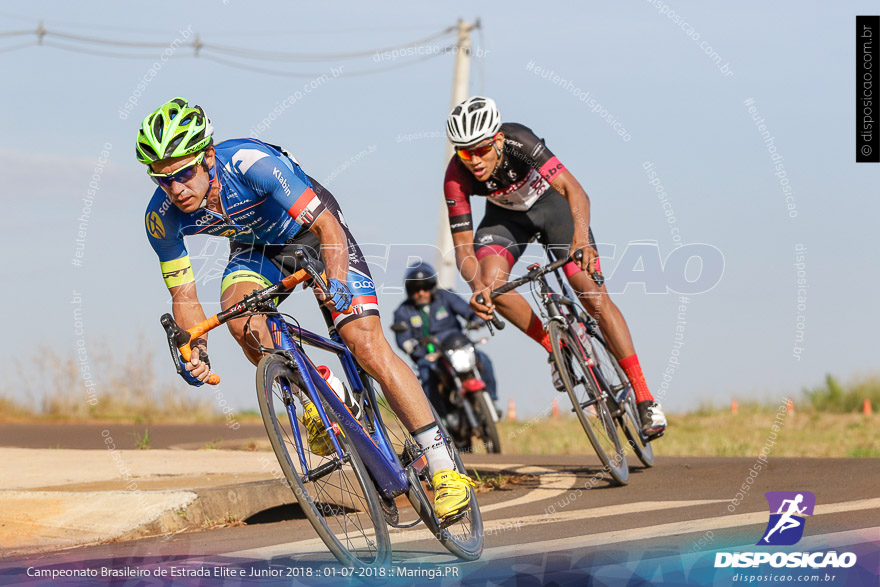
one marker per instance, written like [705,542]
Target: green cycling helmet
[174,130]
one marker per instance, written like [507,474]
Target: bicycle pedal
[450,520]
[655,437]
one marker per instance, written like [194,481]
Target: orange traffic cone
[555,408]
[734,407]
[866,407]
[511,410]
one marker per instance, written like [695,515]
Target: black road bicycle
[601,395]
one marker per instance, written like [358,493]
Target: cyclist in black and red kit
[530,193]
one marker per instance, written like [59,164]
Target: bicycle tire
[598,423]
[488,432]
[354,530]
[464,538]
[628,419]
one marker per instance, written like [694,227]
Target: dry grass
[804,434]
[127,390]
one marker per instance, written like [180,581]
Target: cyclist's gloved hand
[340,295]
[199,363]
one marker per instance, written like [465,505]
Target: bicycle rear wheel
[340,501]
[588,401]
[628,418]
[464,537]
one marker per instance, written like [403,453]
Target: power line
[240,52]
[281,56]
[277,73]
[17,47]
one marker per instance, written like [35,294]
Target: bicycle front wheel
[588,401]
[338,498]
[628,418]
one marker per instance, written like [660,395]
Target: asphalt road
[559,523]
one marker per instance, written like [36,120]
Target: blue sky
[645,70]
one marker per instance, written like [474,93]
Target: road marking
[550,484]
[658,531]
[420,532]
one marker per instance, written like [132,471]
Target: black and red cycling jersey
[519,180]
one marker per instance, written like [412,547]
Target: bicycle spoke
[341,503]
[589,401]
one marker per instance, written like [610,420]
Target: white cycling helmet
[474,120]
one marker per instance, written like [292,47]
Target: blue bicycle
[349,494]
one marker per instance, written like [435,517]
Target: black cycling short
[507,232]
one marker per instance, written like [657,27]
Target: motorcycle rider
[433,311]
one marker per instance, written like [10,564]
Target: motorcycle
[468,409]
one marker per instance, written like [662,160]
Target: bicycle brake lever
[495,320]
[178,342]
[597,276]
[306,263]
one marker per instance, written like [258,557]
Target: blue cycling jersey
[265,196]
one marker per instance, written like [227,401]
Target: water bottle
[582,335]
[341,391]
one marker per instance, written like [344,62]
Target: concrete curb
[218,505]
[40,521]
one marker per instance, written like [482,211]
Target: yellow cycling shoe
[451,494]
[319,440]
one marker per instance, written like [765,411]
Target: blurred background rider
[433,311]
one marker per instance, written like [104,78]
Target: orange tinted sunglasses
[468,154]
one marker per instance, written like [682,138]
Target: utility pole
[446,269]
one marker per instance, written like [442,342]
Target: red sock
[633,370]
[537,333]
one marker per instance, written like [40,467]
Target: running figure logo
[786,525]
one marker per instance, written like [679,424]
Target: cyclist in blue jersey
[259,197]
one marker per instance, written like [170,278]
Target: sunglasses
[182,175]
[481,151]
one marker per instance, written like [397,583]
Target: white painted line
[419,532]
[550,484]
[658,531]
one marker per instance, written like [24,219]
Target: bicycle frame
[552,302]
[374,449]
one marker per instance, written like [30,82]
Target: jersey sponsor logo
[486,238]
[537,150]
[554,170]
[207,218]
[282,181]
[362,284]
[164,207]
[175,273]
[228,232]
[512,174]
[243,159]
[510,141]
[341,219]
[460,225]
[155,226]
[450,202]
